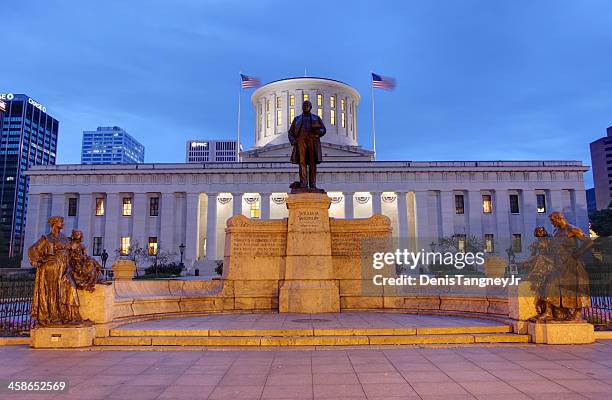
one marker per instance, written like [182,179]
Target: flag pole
[239,94]
[373,120]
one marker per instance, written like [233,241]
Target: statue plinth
[308,285]
[561,332]
[62,337]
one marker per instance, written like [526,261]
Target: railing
[600,287]
[16,293]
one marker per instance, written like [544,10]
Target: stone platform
[326,329]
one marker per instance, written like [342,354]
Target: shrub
[164,269]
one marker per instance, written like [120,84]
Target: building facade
[601,161]
[166,205]
[110,145]
[205,151]
[29,137]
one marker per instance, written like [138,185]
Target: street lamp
[182,249]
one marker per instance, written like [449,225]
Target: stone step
[338,340]
[309,332]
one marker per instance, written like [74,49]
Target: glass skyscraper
[111,145]
[29,137]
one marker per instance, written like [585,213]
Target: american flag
[248,82]
[382,82]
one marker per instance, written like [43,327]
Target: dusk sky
[477,80]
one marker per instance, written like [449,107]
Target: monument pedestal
[62,337]
[561,332]
[309,286]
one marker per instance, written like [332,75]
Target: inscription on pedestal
[259,244]
[359,243]
[308,219]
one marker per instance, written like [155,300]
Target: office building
[29,137]
[204,151]
[601,162]
[111,145]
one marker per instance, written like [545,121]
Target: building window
[152,246]
[268,104]
[126,211]
[292,114]
[514,204]
[487,205]
[460,243]
[332,117]
[292,100]
[517,245]
[332,101]
[320,100]
[305,96]
[99,206]
[459,204]
[268,120]
[320,113]
[72,207]
[97,246]
[154,207]
[278,102]
[541,203]
[279,117]
[342,120]
[342,104]
[125,246]
[489,245]
[255,210]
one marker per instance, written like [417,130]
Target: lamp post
[182,250]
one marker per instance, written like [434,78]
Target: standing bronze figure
[305,136]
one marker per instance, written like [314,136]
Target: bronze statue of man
[305,136]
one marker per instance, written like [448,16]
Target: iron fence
[600,288]
[16,294]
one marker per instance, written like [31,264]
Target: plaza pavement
[473,372]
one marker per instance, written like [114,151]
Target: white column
[167,223]
[192,220]
[140,212]
[501,207]
[33,227]
[111,223]
[402,220]
[376,202]
[84,219]
[349,208]
[265,205]
[236,203]
[556,202]
[423,233]
[58,204]
[447,213]
[475,213]
[211,227]
[582,217]
[530,213]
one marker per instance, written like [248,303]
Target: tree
[601,221]
[140,255]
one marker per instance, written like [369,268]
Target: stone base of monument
[554,332]
[309,296]
[62,337]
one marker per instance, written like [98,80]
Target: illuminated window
[459,204]
[460,243]
[278,102]
[517,245]
[320,113]
[342,104]
[292,100]
[127,207]
[279,117]
[305,96]
[332,101]
[320,100]
[332,117]
[125,245]
[291,114]
[72,206]
[268,120]
[255,210]
[343,119]
[489,246]
[154,207]
[268,105]
[514,204]
[487,205]
[152,248]
[99,207]
[97,245]
[541,203]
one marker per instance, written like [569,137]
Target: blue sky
[477,80]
